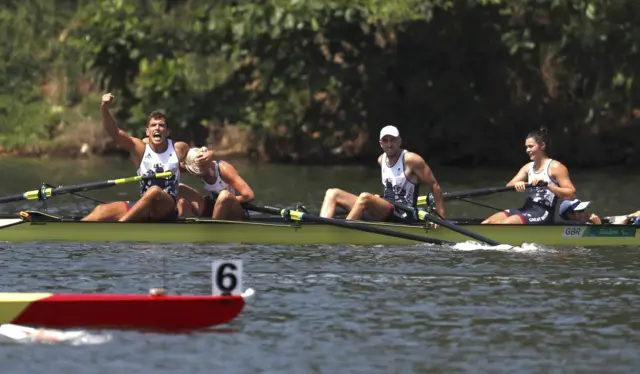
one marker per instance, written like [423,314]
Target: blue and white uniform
[541,203]
[153,162]
[398,188]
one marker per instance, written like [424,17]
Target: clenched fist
[107,99]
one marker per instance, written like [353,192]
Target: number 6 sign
[226,277]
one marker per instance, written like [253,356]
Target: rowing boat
[295,227]
[36,226]
[164,312]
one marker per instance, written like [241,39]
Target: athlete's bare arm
[424,174]
[231,176]
[182,149]
[565,188]
[520,179]
[521,176]
[132,144]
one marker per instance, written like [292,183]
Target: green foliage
[451,74]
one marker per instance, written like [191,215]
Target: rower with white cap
[575,210]
[402,172]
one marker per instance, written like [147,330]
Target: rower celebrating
[226,190]
[160,154]
[539,207]
[402,173]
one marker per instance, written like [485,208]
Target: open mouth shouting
[156,136]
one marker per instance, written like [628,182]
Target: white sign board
[226,277]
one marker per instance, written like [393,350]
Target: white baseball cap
[389,130]
[574,205]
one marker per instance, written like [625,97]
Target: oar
[424,200]
[308,217]
[424,216]
[46,192]
[80,195]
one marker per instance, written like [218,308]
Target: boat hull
[173,312]
[274,232]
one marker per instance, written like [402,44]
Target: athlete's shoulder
[413,158]
[226,167]
[556,165]
[181,148]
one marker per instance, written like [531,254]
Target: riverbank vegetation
[314,81]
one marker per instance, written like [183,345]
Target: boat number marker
[226,277]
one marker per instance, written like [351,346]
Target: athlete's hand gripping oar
[425,200]
[308,217]
[424,216]
[46,192]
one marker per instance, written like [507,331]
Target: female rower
[551,181]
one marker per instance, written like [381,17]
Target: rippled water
[321,309]
[366,309]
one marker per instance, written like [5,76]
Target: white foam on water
[10,333]
[476,246]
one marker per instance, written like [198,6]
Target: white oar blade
[5,222]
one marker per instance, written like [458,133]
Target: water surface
[344,309]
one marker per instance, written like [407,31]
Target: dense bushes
[318,79]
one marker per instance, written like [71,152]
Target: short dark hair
[156,114]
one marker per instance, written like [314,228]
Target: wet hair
[540,136]
[156,114]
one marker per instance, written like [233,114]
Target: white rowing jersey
[541,195]
[219,185]
[160,162]
[397,187]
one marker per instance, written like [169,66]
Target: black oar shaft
[46,192]
[480,192]
[448,225]
[307,217]
[372,229]
[8,199]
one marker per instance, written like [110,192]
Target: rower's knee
[331,194]
[225,197]
[153,192]
[365,198]
[103,210]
